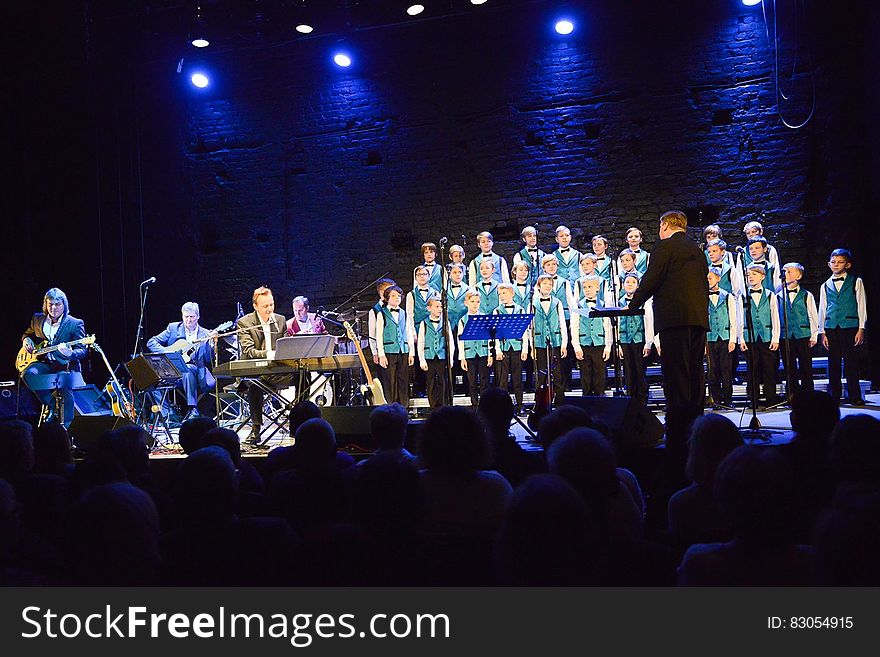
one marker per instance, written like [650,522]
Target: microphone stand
[448,397]
[615,330]
[754,431]
[144,290]
[361,291]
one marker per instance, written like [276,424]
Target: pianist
[263,328]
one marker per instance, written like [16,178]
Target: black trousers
[681,361]
[255,394]
[798,363]
[720,380]
[436,380]
[541,370]
[592,369]
[398,379]
[634,371]
[840,346]
[764,365]
[477,377]
[510,366]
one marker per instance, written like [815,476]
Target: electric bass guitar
[188,349]
[25,359]
[374,387]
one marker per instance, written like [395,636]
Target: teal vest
[420,309]
[522,298]
[534,267]
[435,280]
[547,324]
[797,316]
[435,341]
[488,297]
[473,348]
[572,270]
[507,345]
[725,283]
[394,333]
[496,275]
[559,293]
[455,305]
[841,308]
[631,328]
[591,329]
[603,268]
[641,261]
[719,318]
[762,323]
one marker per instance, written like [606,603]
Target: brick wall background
[291,173]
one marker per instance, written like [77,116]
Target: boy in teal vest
[719,257]
[487,286]
[530,254]
[589,263]
[486,242]
[564,291]
[432,350]
[752,230]
[567,257]
[764,339]
[455,308]
[511,354]
[722,337]
[474,355]
[379,372]
[842,317]
[626,264]
[549,334]
[640,256]
[758,252]
[416,299]
[800,327]
[591,337]
[456,257]
[395,346]
[522,289]
[603,260]
[435,269]
[636,336]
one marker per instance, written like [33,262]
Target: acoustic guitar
[374,387]
[188,349]
[24,359]
[120,402]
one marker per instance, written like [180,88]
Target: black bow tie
[716,292]
[794,290]
[555,276]
[485,283]
[509,307]
[761,291]
[522,284]
[454,285]
[600,257]
[566,249]
[535,250]
[840,278]
[545,298]
[394,310]
[591,302]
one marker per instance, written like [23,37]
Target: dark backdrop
[290,173]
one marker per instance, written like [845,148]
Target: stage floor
[775,425]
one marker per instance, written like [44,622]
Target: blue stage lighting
[304,28]
[200,80]
[415,10]
[751,3]
[200,43]
[564,27]
[342,60]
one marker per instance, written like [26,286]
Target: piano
[264,366]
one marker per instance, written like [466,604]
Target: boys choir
[755,304]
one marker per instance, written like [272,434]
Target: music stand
[56,382]
[297,347]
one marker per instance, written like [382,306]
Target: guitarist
[54,326]
[198,379]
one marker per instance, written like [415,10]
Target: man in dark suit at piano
[198,378]
[263,328]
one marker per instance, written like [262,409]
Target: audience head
[10,520]
[496,409]
[754,490]
[847,542]
[129,445]
[547,537]
[114,537]
[560,421]
[712,438]
[855,451]
[388,494]
[16,448]
[814,414]
[207,486]
[305,410]
[192,431]
[51,448]
[388,424]
[454,442]
[314,445]
[227,439]
[585,459]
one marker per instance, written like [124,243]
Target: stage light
[199,80]
[564,27]
[200,43]
[197,36]
[415,10]
[478,2]
[304,28]
[342,60]
[752,3]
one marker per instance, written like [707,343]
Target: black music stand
[494,327]
[56,382]
[613,312]
[155,375]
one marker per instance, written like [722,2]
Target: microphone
[443,241]
[149,281]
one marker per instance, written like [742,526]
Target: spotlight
[200,80]
[342,60]
[751,3]
[478,2]
[415,10]
[200,43]
[564,27]
[197,30]
[304,28]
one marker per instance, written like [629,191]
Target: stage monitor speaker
[88,400]
[85,430]
[632,424]
[16,400]
[352,426]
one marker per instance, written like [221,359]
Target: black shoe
[857,402]
[193,413]
[254,436]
